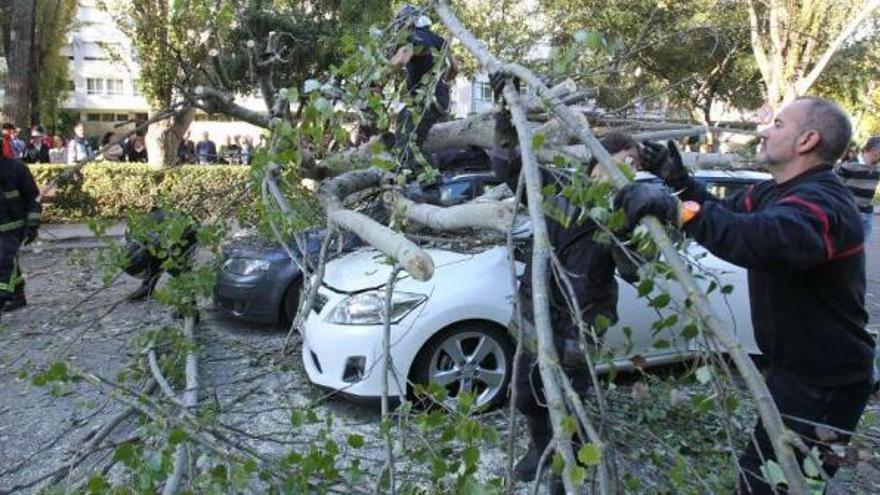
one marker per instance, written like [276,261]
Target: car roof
[706,174]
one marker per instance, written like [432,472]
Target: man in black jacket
[590,265]
[801,239]
[19,221]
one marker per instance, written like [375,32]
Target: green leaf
[727,289]
[578,475]
[558,463]
[470,456]
[773,473]
[176,436]
[811,469]
[568,425]
[125,454]
[704,374]
[218,472]
[355,441]
[645,287]
[661,301]
[689,332]
[538,140]
[97,484]
[589,454]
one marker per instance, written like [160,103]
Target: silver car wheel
[472,362]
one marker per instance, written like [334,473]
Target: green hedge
[112,190]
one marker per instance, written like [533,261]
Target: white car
[452,329]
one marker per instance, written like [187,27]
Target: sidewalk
[67,232]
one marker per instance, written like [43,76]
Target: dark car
[259,283]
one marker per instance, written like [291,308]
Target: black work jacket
[590,264]
[19,197]
[802,243]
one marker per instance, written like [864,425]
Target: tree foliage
[794,41]
[52,22]
[692,51]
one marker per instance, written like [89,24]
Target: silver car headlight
[367,308]
[246,266]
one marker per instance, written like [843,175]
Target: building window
[483,91]
[135,87]
[140,117]
[71,85]
[94,86]
[121,117]
[114,86]
[107,117]
[93,117]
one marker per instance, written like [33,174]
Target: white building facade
[103,90]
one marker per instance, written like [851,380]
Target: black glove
[498,80]
[31,235]
[665,163]
[641,200]
[505,131]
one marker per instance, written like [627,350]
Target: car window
[455,192]
[723,190]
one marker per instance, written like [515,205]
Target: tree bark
[163,137]
[20,81]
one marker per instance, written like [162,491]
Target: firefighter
[591,267]
[417,57]
[19,223]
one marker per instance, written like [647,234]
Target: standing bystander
[79,149]
[861,177]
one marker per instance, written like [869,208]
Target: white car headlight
[367,308]
[246,266]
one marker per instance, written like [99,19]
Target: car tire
[487,375]
[290,301]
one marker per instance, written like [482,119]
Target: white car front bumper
[348,358]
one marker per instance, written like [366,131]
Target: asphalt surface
[38,431]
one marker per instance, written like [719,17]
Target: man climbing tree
[418,57]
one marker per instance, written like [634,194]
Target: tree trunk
[19,82]
[163,138]
[711,135]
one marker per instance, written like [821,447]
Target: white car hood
[367,268]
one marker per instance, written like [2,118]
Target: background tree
[162,36]
[852,80]
[53,20]
[18,38]
[512,29]
[794,41]
[175,58]
[691,53]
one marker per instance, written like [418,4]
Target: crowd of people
[238,150]
[40,147]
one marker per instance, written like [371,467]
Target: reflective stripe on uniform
[11,194]
[15,224]
[14,278]
[33,219]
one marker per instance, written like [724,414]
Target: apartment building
[103,90]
